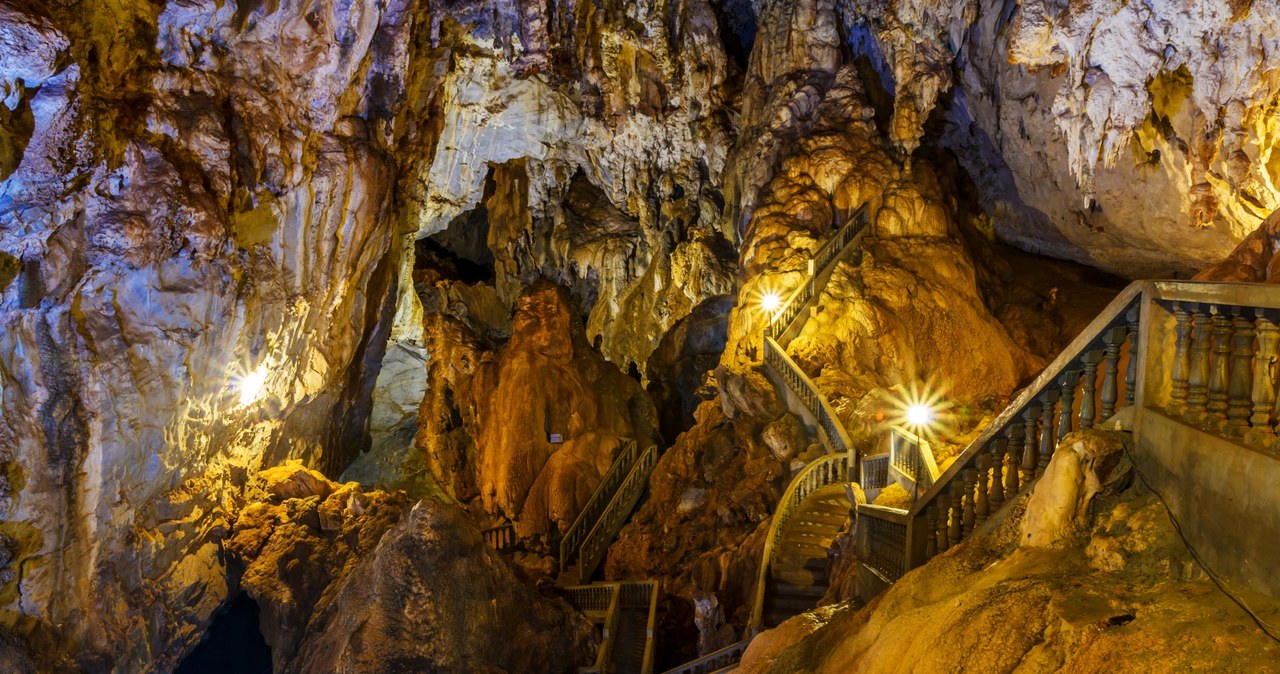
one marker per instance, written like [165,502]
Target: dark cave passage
[234,643]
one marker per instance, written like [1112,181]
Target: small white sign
[555,438]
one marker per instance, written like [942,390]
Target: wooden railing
[715,661]
[618,471]
[501,538]
[596,542]
[830,469]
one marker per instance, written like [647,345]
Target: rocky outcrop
[1253,261]
[1164,110]
[1087,577]
[350,581]
[703,526]
[530,427]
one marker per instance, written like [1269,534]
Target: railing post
[1089,380]
[981,504]
[997,472]
[1047,444]
[1264,380]
[957,514]
[1240,386]
[970,478]
[1218,370]
[1067,390]
[1110,371]
[931,543]
[1198,377]
[1181,370]
[1131,373]
[1030,440]
[1013,445]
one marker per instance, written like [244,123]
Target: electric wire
[1266,627]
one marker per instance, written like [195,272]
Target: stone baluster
[1132,318]
[1198,373]
[1030,440]
[957,513]
[981,502]
[1240,385]
[997,449]
[944,512]
[1219,364]
[1067,392]
[931,541]
[1110,371]
[1047,400]
[1264,380]
[969,514]
[1089,382]
[1014,449]
[1181,361]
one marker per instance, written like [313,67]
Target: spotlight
[770,301]
[251,386]
[919,415]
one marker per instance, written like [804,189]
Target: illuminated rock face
[1135,137]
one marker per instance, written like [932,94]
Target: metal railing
[882,540]
[501,538]
[828,470]
[600,603]
[783,321]
[912,458]
[615,514]
[715,661]
[831,432]
[874,471]
[618,471]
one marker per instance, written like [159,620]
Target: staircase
[626,613]
[798,572]
[584,545]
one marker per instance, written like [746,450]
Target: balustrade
[590,515]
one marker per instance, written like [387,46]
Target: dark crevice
[233,643]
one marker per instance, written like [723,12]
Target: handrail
[596,542]
[824,471]
[874,471]
[590,514]
[501,538]
[832,433]
[1105,320]
[912,456]
[820,264]
[636,594]
[714,661]
[882,540]
[599,598]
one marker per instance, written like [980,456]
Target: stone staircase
[798,574]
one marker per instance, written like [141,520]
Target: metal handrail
[590,514]
[599,598]
[596,542]
[912,456]
[827,470]
[715,661]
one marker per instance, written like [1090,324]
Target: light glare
[251,386]
[919,415]
[771,301]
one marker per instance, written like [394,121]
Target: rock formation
[1087,576]
[360,581]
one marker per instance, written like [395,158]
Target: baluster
[996,497]
[1067,392]
[1030,439]
[944,511]
[982,503]
[1047,400]
[1218,370]
[957,514]
[1110,370]
[970,477]
[1181,361]
[1264,380]
[931,542]
[1011,486]
[1240,385]
[1132,317]
[1198,377]
[1089,379]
